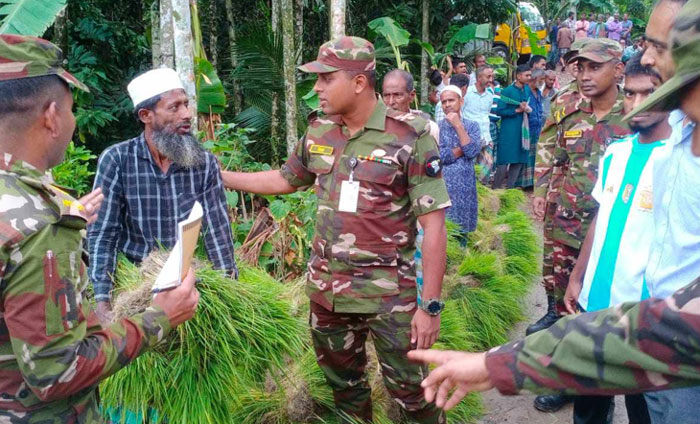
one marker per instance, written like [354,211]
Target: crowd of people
[617,196]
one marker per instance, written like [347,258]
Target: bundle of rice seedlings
[519,239]
[481,266]
[242,330]
[510,200]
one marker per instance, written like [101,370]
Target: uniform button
[24,393]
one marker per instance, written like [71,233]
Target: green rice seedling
[521,268]
[241,330]
[469,410]
[453,327]
[488,201]
[519,239]
[481,266]
[511,200]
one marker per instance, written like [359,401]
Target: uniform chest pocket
[577,143]
[376,180]
[321,164]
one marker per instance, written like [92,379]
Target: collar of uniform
[30,173]
[142,147]
[587,106]
[377,119]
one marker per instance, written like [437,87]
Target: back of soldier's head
[24,100]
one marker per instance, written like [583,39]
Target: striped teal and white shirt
[625,225]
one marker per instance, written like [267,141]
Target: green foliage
[74,172]
[468,33]
[482,266]
[211,97]
[28,17]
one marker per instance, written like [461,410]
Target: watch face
[434,307]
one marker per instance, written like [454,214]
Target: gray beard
[183,149]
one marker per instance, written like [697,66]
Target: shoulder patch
[433,166]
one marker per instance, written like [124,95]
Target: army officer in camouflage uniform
[375,170]
[53,351]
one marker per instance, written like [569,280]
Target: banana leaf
[468,33]
[28,17]
[534,46]
[211,97]
[392,31]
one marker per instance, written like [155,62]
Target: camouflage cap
[22,56]
[344,53]
[685,50]
[575,47]
[599,50]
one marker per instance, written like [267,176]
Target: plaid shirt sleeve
[103,235]
[439,113]
[218,239]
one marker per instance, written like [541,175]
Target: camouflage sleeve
[634,347]
[545,152]
[427,193]
[60,347]
[294,170]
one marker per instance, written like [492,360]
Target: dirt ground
[518,409]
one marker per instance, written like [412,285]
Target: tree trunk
[213,33]
[167,37]
[184,50]
[299,36]
[155,36]
[290,91]
[237,98]
[274,111]
[425,37]
[337,18]
[60,31]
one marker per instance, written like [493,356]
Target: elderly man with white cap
[151,182]
[460,144]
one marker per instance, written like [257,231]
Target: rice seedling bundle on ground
[241,330]
[247,357]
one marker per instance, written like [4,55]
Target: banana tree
[28,17]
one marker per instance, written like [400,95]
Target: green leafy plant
[28,17]
[75,171]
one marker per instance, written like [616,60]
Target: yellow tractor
[505,41]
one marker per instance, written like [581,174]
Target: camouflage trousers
[547,249]
[563,262]
[339,341]
[58,415]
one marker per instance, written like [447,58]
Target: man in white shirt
[477,106]
[479,61]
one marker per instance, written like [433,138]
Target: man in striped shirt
[611,265]
[151,182]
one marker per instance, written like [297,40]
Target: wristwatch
[432,307]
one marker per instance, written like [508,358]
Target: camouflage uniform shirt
[363,262]
[53,352]
[576,147]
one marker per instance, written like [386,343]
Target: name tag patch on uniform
[433,166]
[320,149]
[573,133]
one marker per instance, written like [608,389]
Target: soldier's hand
[538,205]
[181,302]
[454,119]
[573,290]
[425,329]
[465,372]
[104,312]
[92,203]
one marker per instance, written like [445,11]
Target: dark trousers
[513,170]
[595,409]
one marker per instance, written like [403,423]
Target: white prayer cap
[152,83]
[454,89]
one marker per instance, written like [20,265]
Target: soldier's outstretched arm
[631,348]
[59,350]
[264,182]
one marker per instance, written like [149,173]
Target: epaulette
[418,123]
[318,117]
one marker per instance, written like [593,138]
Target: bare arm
[265,182]
[425,329]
